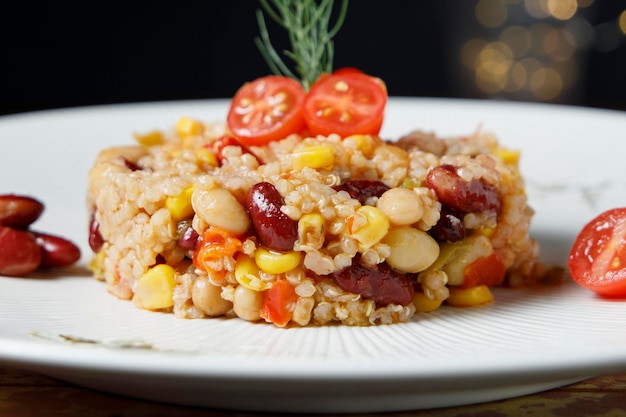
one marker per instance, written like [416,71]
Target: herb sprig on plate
[308,24]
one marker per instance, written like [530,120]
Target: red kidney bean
[95,238]
[187,237]
[19,211]
[378,282]
[56,251]
[362,189]
[131,165]
[472,196]
[20,254]
[450,227]
[227,140]
[273,227]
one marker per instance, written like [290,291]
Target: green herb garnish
[311,37]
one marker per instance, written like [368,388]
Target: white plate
[528,341]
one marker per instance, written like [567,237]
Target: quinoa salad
[309,230]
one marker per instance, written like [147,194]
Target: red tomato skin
[488,270]
[257,99]
[347,70]
[597,260]
[362,97]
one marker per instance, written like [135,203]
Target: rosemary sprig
[307,23]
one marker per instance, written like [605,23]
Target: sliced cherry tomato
[488,270]
[275,306]
[347,70]
[597,260]
[266,109]
[346,104]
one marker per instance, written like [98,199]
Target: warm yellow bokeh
[562,9]
[518,39]
[491,13]
[546,84]
[622,22]
[531,48]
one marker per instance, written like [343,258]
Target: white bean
[401,206]
[206,297]
[218,207]
[412,250]
[247,303]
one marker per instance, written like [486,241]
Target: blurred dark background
[74,53]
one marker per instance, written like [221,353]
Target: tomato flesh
[345,103]
[597,260]
[266,109]
[276,302]
[216,244]
[487,270]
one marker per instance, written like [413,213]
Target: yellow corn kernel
[150,138]
[96,265]
[179,206]
[423,304]
[247,274]
[321,156]
[155,288]
[509,156]
[487,231]
[469,297]
[312,230]
[276,262]
[410,183]
[368,225]
[364,143]
[188,127]
[207,156]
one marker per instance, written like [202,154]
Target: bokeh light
[491,13]
[518,39]
[546,83]
[537,8]
[534,49]
[558,44]
[562,9]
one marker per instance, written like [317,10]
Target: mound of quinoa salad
[310,229]
[295,211]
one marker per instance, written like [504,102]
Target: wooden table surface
[26,394]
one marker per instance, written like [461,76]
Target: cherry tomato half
[266,109]
[597,260]
[345,103]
